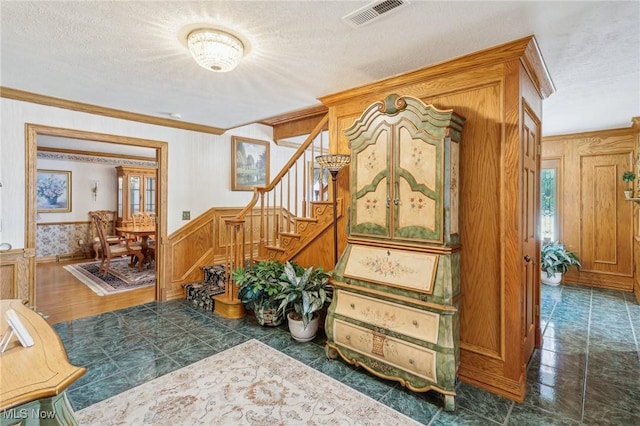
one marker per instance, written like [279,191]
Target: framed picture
[53,191]
[249,163]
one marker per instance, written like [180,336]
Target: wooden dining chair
[143,219]
[124,248]
[109,221]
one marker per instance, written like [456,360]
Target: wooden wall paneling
[14,274]
[191,247]
[487,89]
[602,234]
[636,213]
[8,280]
[481,306]
[607,222]
[636,283]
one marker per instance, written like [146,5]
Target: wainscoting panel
[14,274]
[595,220]
[199,243]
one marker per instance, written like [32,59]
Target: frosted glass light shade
[215,50]
[333,162]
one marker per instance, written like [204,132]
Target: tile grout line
[506,419]
[586,367]
[633,330]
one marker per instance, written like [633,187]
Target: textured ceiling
[130,55]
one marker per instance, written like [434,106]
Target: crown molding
[20,95]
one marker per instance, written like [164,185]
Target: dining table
[144,233]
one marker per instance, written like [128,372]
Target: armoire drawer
[406,356]
[416,323]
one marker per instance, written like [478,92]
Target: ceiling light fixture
[215,50]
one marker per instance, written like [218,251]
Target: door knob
[527,258]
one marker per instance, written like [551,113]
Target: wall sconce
[93,184]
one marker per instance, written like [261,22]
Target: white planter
[554,280]
[301,334]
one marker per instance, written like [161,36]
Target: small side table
[34,379]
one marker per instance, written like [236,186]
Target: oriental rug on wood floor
[121,276]
[249,384]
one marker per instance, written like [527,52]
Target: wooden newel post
[227,304]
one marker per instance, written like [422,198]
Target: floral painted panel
[371,207]
[400,268]
[418,323]
[454,203]
[420,159]
[416,209]
[394,352]
[371,161]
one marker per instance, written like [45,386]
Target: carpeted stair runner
[201,293]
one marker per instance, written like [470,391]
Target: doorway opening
[33,132]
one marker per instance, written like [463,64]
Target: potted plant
[259,286]
[305,290]
[555,261]
[628,177]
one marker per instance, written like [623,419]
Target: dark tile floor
[587,372]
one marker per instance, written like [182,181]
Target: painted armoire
[499,92]
[397,283]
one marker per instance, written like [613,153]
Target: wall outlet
[186,215]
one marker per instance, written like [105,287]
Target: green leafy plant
[555,258]
[629,177]
[259,284]
[305,290]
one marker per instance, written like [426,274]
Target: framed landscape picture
[249,163]
[53,191]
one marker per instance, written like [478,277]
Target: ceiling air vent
[372,12]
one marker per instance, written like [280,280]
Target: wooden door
[530,245]
[607,219]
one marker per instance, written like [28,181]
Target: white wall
[198,164]
[82,201]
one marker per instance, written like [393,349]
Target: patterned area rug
[249,384]
[121,276]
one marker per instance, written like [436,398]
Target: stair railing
[274,207]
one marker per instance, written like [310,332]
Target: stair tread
[306,219]
[290,234]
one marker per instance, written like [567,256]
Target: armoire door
[405,174]
[417,187]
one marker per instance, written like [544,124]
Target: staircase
[305,230]
[200,293]
[281,219]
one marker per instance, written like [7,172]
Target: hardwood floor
[61,297]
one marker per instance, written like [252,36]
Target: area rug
[249,384]
[121,276]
